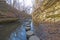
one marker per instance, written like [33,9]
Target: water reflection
[20,33]
[32,27]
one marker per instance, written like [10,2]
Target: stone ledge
[7,20]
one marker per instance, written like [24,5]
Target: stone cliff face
[47,20]
[8,12]
[49,11]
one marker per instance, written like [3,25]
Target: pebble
[29,33]
[34,38]
[27,28]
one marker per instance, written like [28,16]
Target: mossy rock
[8,20]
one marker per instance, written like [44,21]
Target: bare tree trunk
[14,2]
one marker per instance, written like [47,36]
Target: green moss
[7,20]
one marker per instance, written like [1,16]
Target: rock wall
[47,20]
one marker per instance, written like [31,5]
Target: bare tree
[14,3]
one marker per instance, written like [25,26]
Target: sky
[23,4]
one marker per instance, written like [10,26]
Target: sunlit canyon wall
[46,20]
